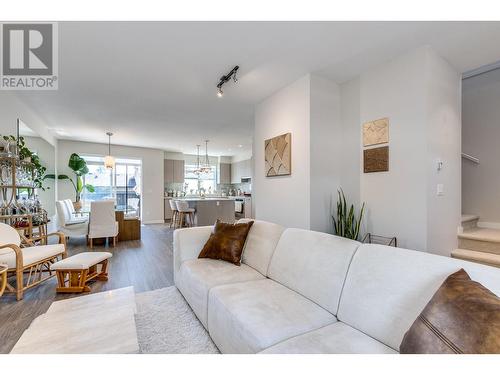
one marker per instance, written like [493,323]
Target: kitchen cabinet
[179,171]
[173,171]
[235,173]
[168,171]
[224,173]
[241,169]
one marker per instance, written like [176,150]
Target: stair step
[467,217]
[477,256]
[469,221]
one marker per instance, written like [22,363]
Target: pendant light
[206,165]
[197,171]
[109,161]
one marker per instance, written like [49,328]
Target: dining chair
[102,221]
[68,223]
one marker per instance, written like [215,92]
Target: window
[123,184]
[205,181]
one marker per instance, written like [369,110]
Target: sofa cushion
[336,338]
[260,245]
[226,242]
[313,264]
[386,288]
[249,317]
[462,317]
[197,276]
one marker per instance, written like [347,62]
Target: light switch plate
[440,189]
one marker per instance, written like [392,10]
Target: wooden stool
[175,213]
[185,212]
[75,272]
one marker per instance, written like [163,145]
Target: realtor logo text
[29,59]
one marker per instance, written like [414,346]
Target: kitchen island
[208,210]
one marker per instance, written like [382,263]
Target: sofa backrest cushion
[386,288]
[260,244]
[313,264]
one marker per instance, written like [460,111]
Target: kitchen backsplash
[175,186]
[244,187]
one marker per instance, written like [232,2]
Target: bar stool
[185,211]
[175,213]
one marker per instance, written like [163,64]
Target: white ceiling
[153,83]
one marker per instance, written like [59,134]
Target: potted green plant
[79,166]
[28,156]
[345,222]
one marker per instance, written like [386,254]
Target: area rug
[166,324]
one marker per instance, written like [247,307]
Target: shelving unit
[32,223]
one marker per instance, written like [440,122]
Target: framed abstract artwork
[376,132]
[376,159]
[278,155]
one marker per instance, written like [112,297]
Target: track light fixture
[225,78]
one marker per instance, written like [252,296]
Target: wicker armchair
[30,264]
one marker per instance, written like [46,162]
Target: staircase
[480,245]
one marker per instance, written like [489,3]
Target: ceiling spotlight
[225,78]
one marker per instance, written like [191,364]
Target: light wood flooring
[146,265]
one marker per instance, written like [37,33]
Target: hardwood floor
[146,264]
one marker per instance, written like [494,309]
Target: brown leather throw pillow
[462,317]
[226,242]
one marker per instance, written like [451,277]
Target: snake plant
[345,222]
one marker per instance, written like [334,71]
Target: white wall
[350,145]
[396,200]
[12,108]
[310,110]
[480,138]
[325,151]
[420,93]
[152,173]
[284,199]
[444,144]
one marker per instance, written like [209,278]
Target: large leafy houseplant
[79,166]
[27,155]
[345,222]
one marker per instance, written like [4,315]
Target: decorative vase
[77,206]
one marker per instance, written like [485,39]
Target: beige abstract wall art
[278,155]
[376,132]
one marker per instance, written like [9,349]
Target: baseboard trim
[154,222]
[489,225]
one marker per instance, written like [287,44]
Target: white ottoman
[74,272]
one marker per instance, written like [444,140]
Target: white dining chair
[68,223]
[185,212]
[102,223]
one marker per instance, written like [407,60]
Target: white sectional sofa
[299,291]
